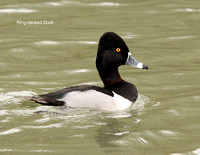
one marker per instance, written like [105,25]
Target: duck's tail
[44,101]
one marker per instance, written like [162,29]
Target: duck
[116,94]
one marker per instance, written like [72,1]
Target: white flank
[96,100]
[197,151]
[121,102]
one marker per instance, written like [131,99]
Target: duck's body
[116,94]
[110,99]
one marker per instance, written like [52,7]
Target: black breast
[125,89]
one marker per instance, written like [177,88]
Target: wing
[54,98]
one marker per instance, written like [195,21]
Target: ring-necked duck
[116,94]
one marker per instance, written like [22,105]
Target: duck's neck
[109,77]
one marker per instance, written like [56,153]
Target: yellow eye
[118,49]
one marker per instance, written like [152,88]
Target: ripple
[11,76]
[130,36]
[54,3]
[140,102]
[77,71]
[84,127]
[180,37]
[17,112]
[174,112]
[142,140]
[41,150]
[57,125]
[61,3]
[137,120]
[17,50]
[3,112]
[167,132]
[4,97]
[35,83]
[6,150]
[81,42]
[79,136]
[42,120]
[156,104]
[178,74]
[90,83]
[120,115]
[11,131]
[5,120]
[47,4]
[20,10]
[197,98]
[14,97]
[187,10]
[47,42]
[38,83]
[20,93]
[118,133]
[64,2]
[105,4]
[121,142]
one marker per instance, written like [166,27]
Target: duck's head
[113,52]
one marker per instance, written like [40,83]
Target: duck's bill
[131,61]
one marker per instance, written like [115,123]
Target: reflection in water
[110,133]
[118,132]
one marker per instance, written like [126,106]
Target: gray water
[36,57]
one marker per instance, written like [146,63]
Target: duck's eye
[118,49]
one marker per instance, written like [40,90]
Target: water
[39,58]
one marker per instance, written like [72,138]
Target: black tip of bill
[131,61]
[145,67]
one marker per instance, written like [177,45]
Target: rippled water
[48,45]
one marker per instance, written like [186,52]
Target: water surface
[39,58]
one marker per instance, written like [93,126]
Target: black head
[112,51]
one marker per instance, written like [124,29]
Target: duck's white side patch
[122,102]
[96,100]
